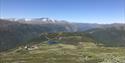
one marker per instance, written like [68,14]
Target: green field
[64,53]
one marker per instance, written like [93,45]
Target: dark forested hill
[113,36]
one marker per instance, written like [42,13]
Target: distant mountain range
[14,32]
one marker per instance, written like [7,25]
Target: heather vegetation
[63,53]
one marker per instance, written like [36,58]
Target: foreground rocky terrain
[63,53]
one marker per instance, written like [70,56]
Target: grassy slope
[63,53]
[86,51]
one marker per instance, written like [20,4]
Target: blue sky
[85,11]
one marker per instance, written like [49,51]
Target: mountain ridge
[14,33]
